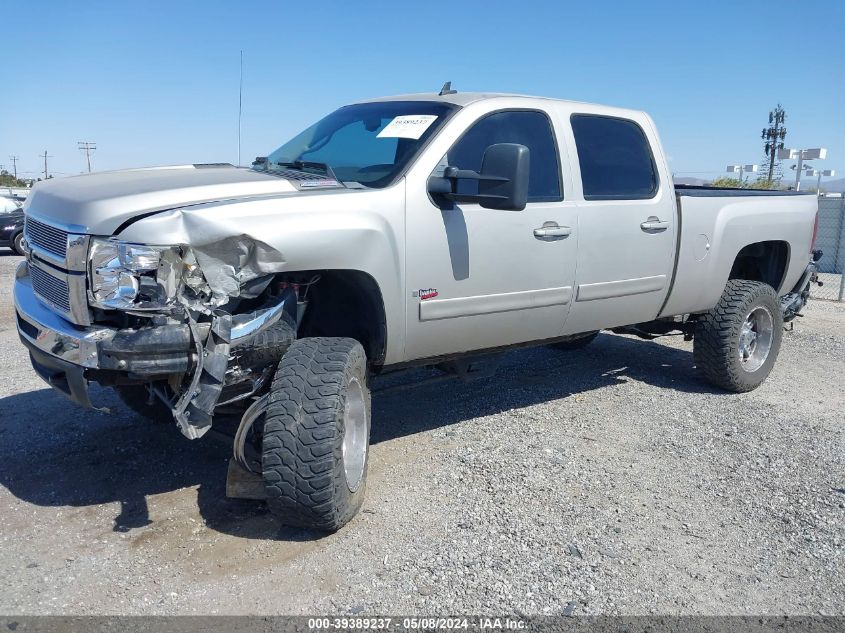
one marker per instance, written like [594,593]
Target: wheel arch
[765,261]
[348,303]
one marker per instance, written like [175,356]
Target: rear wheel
[316,434]
[737,343]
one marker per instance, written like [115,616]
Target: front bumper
[66,356]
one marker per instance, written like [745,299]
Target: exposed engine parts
[216,320]
[234,358]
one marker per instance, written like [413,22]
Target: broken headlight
[127,276]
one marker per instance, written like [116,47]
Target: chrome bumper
[42,329]
[65,355]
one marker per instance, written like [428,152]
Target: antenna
[447,89]
[240,105]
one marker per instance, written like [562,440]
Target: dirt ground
[609,480]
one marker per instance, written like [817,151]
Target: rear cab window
[615,158]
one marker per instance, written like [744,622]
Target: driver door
[481,278]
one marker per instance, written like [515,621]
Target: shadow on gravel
[528,377]
[53,453]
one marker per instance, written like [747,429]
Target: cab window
[525,127]
[615,158]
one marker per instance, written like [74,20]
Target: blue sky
[156,82]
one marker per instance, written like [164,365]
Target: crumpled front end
[199,325]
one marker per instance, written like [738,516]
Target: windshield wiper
[302,165]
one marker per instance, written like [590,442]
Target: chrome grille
[50,289]
[50,238]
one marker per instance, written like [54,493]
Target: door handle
[552,230]
[654,225]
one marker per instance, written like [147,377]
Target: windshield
[365,144]
[7,205]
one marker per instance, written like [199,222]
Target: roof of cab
[461,99]
[464,98]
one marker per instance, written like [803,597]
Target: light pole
[816,153]
[819,173]
[742,169]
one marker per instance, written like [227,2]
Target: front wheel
[317,434]
[17,244]
[737,342]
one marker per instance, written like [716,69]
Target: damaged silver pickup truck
[427,229]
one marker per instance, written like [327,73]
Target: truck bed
[714,225]
[701,191]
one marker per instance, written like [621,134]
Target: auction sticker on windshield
[408,126]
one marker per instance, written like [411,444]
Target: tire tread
[301,432]
[717,330]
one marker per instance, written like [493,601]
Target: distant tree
[763,183]
[727,183]
[8,180]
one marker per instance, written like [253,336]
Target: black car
[11,230]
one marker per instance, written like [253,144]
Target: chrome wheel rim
[354,435]
[755,339]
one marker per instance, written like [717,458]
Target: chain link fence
[831,240]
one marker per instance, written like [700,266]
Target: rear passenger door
[626,224]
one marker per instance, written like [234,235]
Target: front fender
[358,230]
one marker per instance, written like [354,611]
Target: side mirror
[502,182]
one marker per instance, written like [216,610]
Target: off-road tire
[267,347]
[717,333]
[136,397]
[577,342]
[302,452]
[17,244]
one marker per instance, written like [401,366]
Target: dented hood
[99,203]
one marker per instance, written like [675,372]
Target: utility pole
[45,157]
[14,160]
[774,135]
[87,147]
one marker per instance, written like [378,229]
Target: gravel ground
[609,480]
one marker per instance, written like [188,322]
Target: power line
[87,147]
[45,157]
[14,160]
